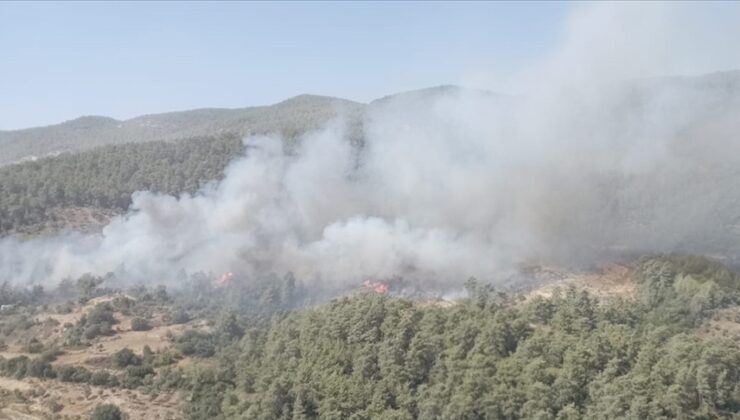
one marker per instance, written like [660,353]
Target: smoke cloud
[595,160]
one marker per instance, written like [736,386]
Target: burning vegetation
[376,286]
[225,280]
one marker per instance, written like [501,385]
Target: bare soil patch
[44,398]
[609,280]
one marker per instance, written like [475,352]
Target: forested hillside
[289,118]
[270,349]
[101,161]
[105,178]
[570,356]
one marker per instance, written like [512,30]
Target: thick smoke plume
[595,160]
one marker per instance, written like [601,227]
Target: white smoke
[458,183]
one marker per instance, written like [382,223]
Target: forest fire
[225,279]
[378,287]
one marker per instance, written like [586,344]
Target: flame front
[378,287]
[225,279]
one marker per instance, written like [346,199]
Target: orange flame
[225,279]
[376,286]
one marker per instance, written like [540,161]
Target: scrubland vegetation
[264,350]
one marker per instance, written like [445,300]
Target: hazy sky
[63,60]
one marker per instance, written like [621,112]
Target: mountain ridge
[290,118]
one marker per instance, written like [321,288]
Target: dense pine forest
[105,177]
[99,166]
[490,356]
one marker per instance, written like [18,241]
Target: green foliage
[177,316]
[170,153]
[87,285]
[95,330]
[123,304]
[51,354]
[107,412]
[14,296]
[139,372]
[16,366]
[197,343]
[34,346]
[40,368]
[33,192]
[102,312]
[103,378]
[97,322]
[686,289]
[570,356]
[140,324]
[21,366]
[76,374]
[125,357]
[11,325]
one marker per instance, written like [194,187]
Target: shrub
[160,293]
[139,371]
[140,324]
[95,330]
[51,355]
[196,343]
[17,366]
[34,346]
[39,368]
[65,308]
[123,303]
[166,357]
[103,312]
[54,406]
[177,316]
[51,322]
[17,323]
[125,358]
[73,374]
[103,378]
[106,412]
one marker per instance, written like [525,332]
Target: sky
[64,60]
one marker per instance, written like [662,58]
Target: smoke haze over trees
[641,166]
[435,185]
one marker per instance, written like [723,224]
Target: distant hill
[92,164]
[290,118]
[295,116]
[427,94]
[64,173]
